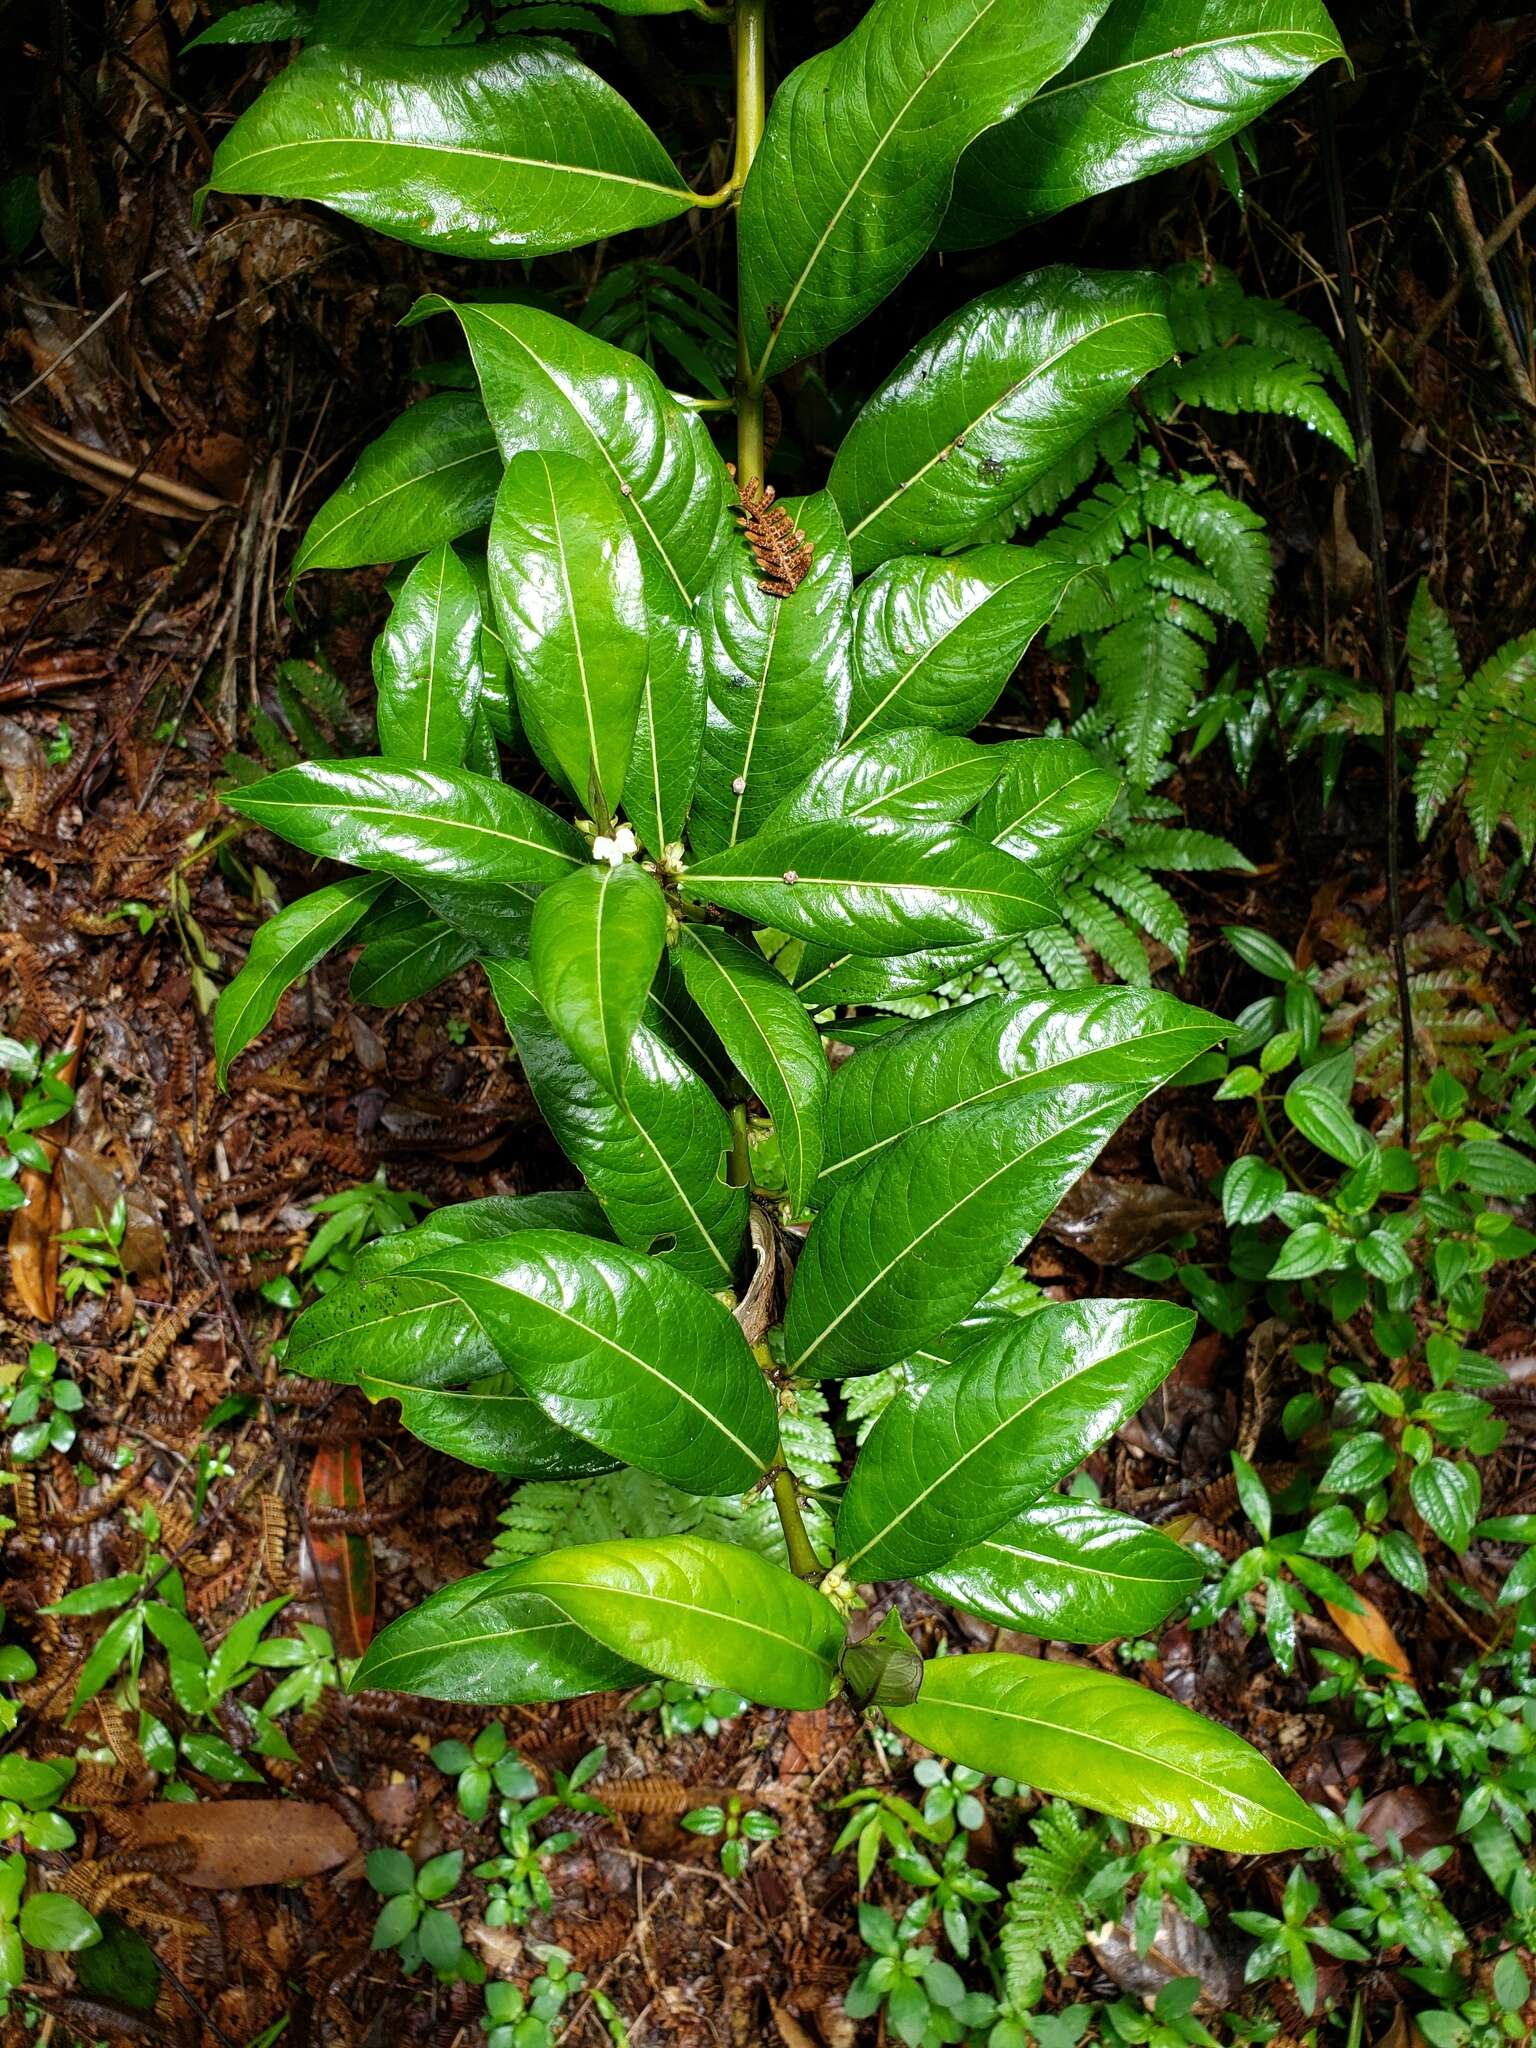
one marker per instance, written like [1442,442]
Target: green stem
[751,113]
[741,1155]
[803,1561]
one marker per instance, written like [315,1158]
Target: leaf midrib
[493,156]
[1090,81]
[406,483]
[793,1643]
[351,809]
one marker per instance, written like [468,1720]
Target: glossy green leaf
[669,732]
[1324,1120]
[777,680]
[1070,1571]
[417,823]
[762,1024]
[493,1425]
[429,477]
[1158,82]
[1002,1048]
[959,1452]
[597,937]
[654,1161]
[412,1332]
[489,1643]
[935,641]
[622,1351]
[989,401]
[904,1249]
[570,595]
[1108,1744]
[1449,1497]
[426,665]
[826,976]
[1050,798]
[927,776]
[548,385]
[504,150]
[286,947]
[702,1612]
[858,157]
[880,885]
[404,965]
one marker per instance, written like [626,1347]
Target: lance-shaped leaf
[903,1250]
[858,157]
[1158,82]
[826,976]
[622,1351]
[1050,798]
[418,823]
[1116,1747]
[400,966]
[493,1425]
[762,1024]
[426,664]
[701,1612]
[497,916]
[1002,1048]
[656,1160]
[879,885]
[515,149]
[490,1645]
[286,947]
[1071,1571]
[958,1453]
[777,675]
[548,385]
[597,937]
[429,477]
[934,642]
[911,774]
[989,401]
[346,1577]
[669,732]
[414,1333]
[570,594]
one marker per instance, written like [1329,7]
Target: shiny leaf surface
[1158,82]
[989,401]
[286,947]
[516,149]
[489,1644]
[597,937]
[1071,1571]
[927,776]
[1108,1744]
[957,1453]
[426,665]
[858,157]
[905,1248]
[429,477]
[702,1612]
[1050,798]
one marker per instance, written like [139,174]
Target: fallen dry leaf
[242,1842]
[1371,1635]
[33,1239]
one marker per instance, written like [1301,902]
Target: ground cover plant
[770,1229]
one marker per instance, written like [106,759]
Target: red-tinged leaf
[343,1563]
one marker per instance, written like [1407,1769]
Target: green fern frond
[1208,309]
[1061,960]
[1132,891]
[1434,660]
[1109,443]
[1046,1915]
[1107,934]
[1227,536]
[1149,671]
[1182,850]
[1250,378]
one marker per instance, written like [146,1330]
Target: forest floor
[179,402]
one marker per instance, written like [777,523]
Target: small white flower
[617,849]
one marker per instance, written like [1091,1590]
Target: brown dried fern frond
[779,547]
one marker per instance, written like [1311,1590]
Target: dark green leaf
[414,822]
[1108,1744]
[1071,1571]
[286,947]
[989,401]
[858,158]
[934,641]
[763,1026]
[426,664]
[927,776]
[962,1450]
[570,595]
[777,678]
[622,1351]
[597,937]
[404,965]
[1002,1048]
[510,149]
[1448,1496]
[702,1612]
[1050,799]
[428,478]
[904,1249]
[489,1643]
[1157,83]
[876,885]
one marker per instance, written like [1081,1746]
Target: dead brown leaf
[243,1842]
[1371,1634]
